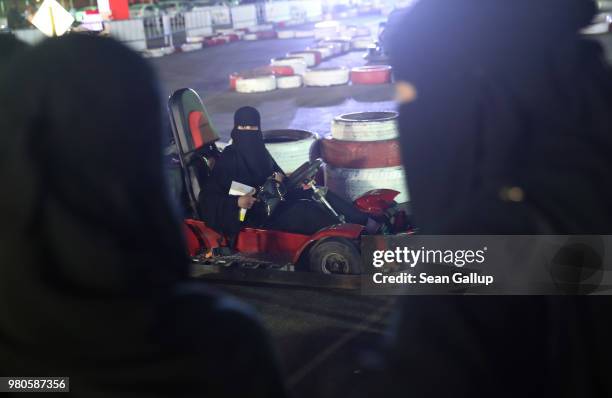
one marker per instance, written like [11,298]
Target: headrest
[200,130]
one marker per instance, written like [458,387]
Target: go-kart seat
[195,140]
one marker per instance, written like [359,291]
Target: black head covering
[88,237]
[502,88]
[257,163]
[247,116]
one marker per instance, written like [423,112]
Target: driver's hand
[246,201]
[278,176]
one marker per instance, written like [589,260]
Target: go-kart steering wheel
[303,174]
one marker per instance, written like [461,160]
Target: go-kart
[331,251]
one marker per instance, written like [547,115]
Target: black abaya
[508,95]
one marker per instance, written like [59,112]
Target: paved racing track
[322,336]
[308,108]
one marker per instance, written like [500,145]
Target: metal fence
[165,30]
[175,29]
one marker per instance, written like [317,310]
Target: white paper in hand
[239,189]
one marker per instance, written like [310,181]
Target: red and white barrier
[289,148]
[325,51]
[258,84]
[297,63]
[312,58]
[326,77]
[365,126]
[286,34]
[352,183]
[266,34]
[188,47]
[342,44]
[361,154]
[285,82]
[375,74]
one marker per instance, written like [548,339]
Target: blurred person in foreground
[10,46]
[505,129]
[94,277]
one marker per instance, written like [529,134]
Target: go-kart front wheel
[335,256]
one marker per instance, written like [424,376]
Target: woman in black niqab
[249,145]
[93,270]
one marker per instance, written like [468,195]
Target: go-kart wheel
[335,256]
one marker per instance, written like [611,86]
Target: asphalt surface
[322,336]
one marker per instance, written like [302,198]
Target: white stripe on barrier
[352,183]
[284,82]
[326,77]
[309,58]
[187,47]
[365,126]
[294,151]
[195,39]
[257,84]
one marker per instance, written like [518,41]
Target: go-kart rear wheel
[335,256]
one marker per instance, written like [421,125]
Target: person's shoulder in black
[94,274]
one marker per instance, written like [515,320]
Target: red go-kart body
[202,239]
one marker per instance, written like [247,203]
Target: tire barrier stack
[363,154]
[256,84]
[342,45]
[258,80]
[188,47]
[296,63]
[301,67]
[376,74]
[326,77]
[224,36]
[312,58]
[285,82]
[289,148]
[325,51]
